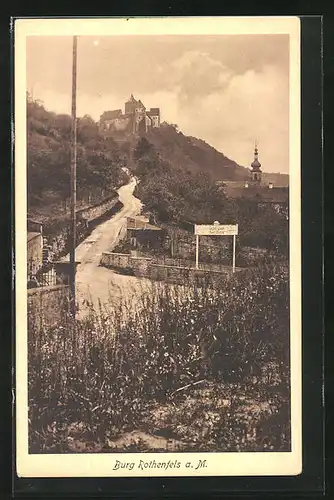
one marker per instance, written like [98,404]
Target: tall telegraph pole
[73,177]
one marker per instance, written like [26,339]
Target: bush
[111,370]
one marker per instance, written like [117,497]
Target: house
[34,226]
[34,252]
[141,233]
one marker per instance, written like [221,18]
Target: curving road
[98,285]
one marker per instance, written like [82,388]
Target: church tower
[256,172]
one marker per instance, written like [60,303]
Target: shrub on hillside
[260,225]
[99,164]
[175,195]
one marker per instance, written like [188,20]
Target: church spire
[256,165]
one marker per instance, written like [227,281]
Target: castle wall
[148,122]
[135,119]
[155,120]
[140,122]
[122,123]
[118,124]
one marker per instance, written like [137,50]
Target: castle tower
[256,172]
[131,105]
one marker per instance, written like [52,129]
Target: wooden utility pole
[73,177]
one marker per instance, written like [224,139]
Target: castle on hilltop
[136,119]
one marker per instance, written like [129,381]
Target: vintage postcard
[157,247]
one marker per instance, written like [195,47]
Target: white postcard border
[101,465]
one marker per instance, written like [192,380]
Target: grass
[198,369]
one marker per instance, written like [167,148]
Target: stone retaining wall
[141,266]
[183,275]
[119,260]
[123,261]
[96,211]
[146,267]
[87,219]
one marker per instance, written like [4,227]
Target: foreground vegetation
[201,369]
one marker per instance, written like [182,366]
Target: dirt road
[97,284]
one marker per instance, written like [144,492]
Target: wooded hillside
[99,165]
[194,155]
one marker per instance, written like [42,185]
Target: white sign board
[216,229]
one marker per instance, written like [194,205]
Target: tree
[262,226]
[88,132]
[143,148]
[99,167]
[176,195]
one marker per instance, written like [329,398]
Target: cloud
[226,106]
[246,106]
[195,74]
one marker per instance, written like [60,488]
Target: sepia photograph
[157,205]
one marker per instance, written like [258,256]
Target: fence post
[197,244]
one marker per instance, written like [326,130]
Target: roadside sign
[216,229]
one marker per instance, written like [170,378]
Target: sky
[227,90]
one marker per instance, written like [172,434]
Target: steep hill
[99,164]
[195,155]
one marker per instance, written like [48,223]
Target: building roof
[34,226]
[142,218]
[131,99]
[145,227]
[278,180]
[259,193]
[111,115]
[232,184]
[140,223]
[33,221]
